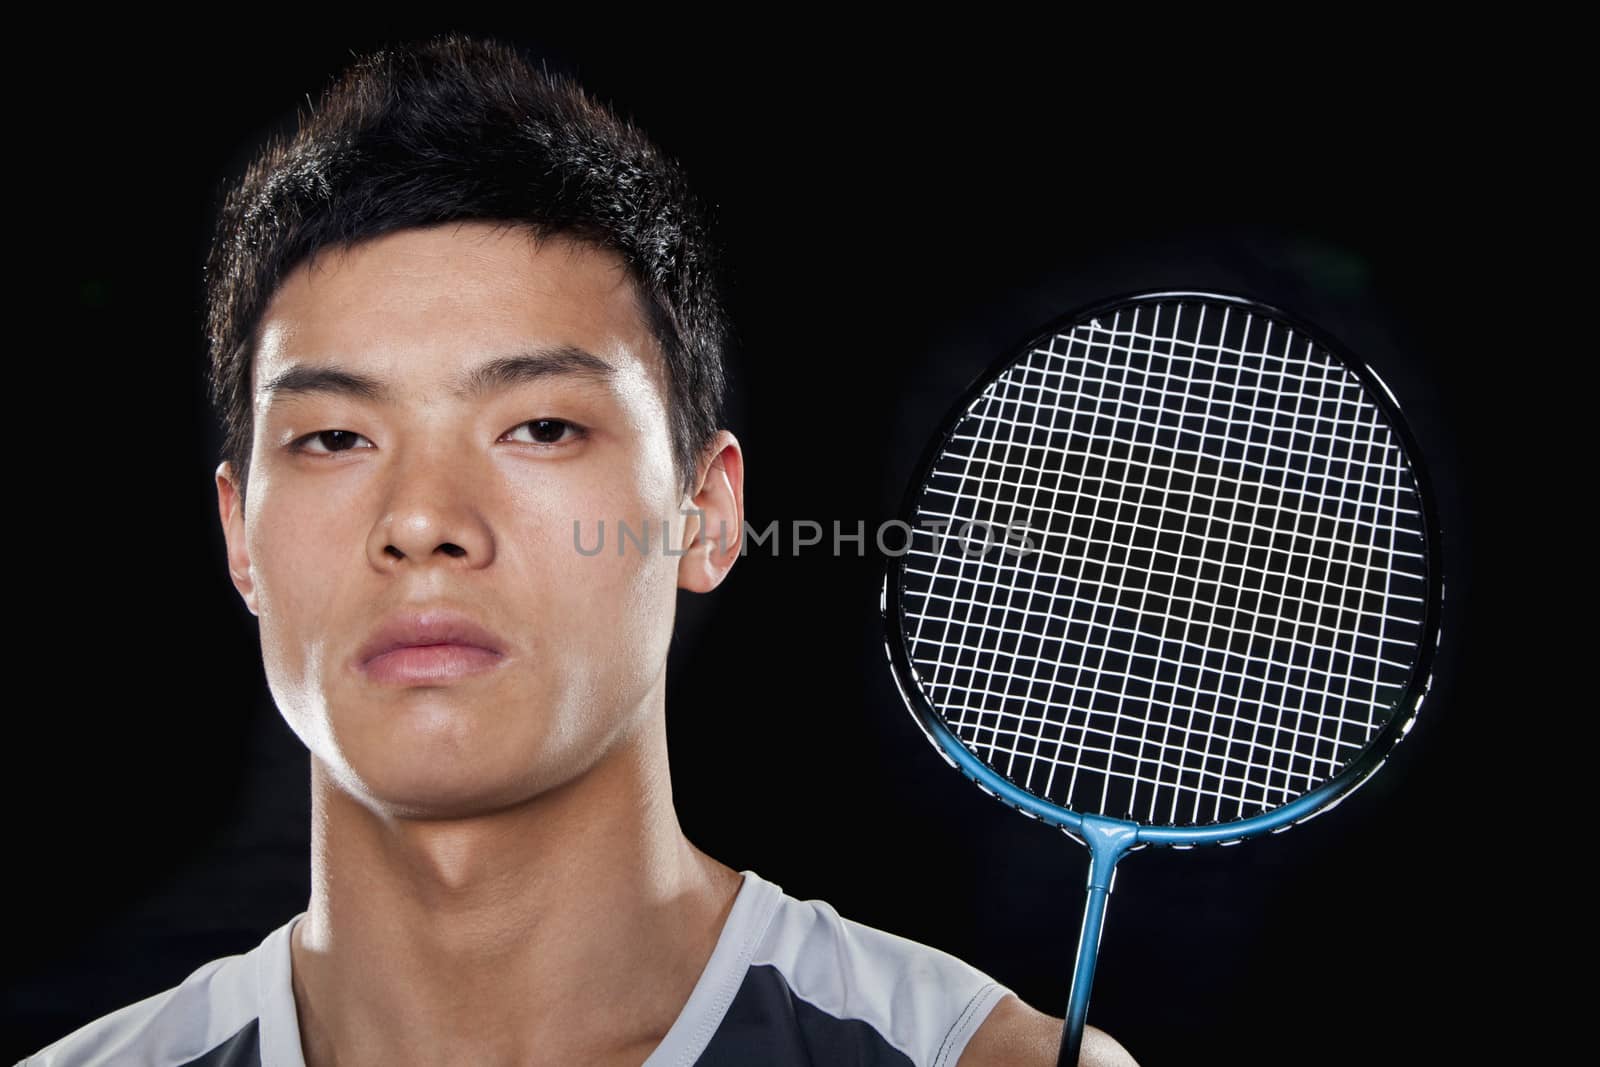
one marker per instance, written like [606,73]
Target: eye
[551,433]
[331,440]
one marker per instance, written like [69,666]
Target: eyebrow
[502,372]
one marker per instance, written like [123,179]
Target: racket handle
[1108,840]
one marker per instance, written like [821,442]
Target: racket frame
[1326,796]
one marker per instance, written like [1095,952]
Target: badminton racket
[1171,577]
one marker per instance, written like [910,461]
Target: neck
[507,937]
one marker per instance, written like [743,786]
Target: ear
[230,508]
[713,533]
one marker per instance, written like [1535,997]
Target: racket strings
[1221,591]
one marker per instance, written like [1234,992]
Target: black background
[894,216]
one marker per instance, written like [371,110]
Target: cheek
[293,555]
[614,610]
[628,600]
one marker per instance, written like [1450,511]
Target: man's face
[437,497]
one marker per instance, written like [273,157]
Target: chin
[436,789]
[434,758]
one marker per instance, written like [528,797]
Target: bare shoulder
[1017,1034]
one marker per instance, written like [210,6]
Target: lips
[428,627]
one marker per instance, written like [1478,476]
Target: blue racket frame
[1108,840]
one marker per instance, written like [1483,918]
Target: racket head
[1403,699]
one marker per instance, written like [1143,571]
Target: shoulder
[1017,1034]
[849,984]
[212,1016]
[166,1028]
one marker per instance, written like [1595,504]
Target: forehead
[418,306]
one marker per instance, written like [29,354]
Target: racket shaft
[1108,841]
[1094,914]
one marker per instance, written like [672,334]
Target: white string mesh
[1224,597]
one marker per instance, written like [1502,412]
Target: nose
[431,514]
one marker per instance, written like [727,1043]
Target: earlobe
[230,509]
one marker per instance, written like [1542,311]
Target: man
[462,309]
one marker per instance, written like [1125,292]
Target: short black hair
[458,128]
